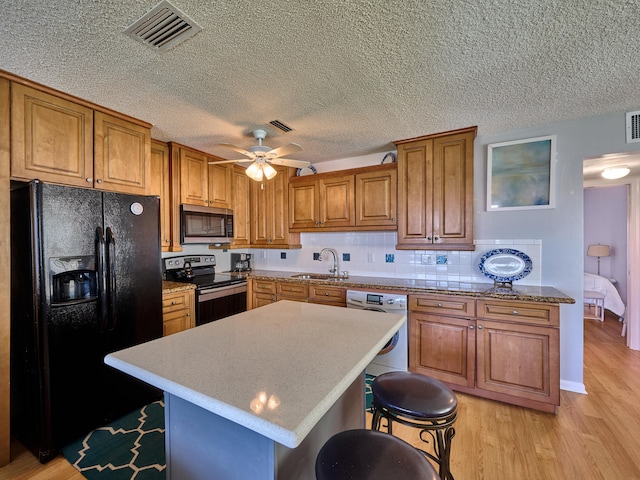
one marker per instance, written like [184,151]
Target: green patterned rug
[132,447]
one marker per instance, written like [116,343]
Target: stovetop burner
[199,270]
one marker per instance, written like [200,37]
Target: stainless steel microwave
[205,225]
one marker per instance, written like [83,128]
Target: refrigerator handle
[102,280]
[111,277]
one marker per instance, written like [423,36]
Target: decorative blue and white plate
[310,170]
[505,265]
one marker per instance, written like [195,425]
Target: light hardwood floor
[594,436]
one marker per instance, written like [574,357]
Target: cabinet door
[303,204]
[269,209]
[194,178]
[336,202]
[443,347]
[122,151]
[241,207]
[519,360]
[51,138]
[376,198]
[453,189]
[415,196]
[178,311]
[220,185]
[159,185]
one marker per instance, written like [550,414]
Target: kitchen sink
[319,276]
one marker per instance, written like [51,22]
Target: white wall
[605,222]
[558,232]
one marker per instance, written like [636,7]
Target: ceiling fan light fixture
[254,171]
[614,173]
[269,171]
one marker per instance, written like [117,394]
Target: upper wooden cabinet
[435,191]
[356,199]
[202,183]
[51,138]
[57,140]
[160,182]
[325,202]
[241,195]
[269,212]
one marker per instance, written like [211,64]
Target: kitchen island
[257,394]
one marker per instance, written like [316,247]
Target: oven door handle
[221,292]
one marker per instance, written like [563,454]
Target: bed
[602,294]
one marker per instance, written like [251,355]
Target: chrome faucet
[335,270]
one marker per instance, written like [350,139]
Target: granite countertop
[300,356]
[530,293]
[172,287]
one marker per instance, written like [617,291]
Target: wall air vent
[281,126]
[633,127]
[163,27]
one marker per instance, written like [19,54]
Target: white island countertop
[275,370]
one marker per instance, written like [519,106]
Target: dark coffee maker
[240,262]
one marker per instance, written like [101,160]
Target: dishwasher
[394,356]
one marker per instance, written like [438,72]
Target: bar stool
[370,455]
[421,402]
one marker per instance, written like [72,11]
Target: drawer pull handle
[326,294]
[439,305]
[515,312]
[174,303]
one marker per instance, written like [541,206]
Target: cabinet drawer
[264,286]
[176,301]
[325,294]
[293,290]
[521,312]
[443,305]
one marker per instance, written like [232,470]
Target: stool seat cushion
[413,394]
[370,455]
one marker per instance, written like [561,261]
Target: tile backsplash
[374,254]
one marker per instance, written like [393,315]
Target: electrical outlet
[283,255]
[346,257]
[427,259]
[370,257]
[389,258]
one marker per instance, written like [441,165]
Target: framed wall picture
[521,174]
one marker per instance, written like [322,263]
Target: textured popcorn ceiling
[348,76]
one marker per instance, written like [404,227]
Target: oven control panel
[178,263]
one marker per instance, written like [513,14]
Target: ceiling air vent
[281,126]
[633,127]
[163,27]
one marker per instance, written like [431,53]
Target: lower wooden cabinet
[262,292]
[503,350]
[178,311]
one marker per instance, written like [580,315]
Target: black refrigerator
[86,280]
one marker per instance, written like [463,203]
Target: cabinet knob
[188,314]
[479,327]
[515,312]
[429,238]
[393,219]
[471,327]
[174,302]
[326,294]
[439,305]
[435,239]
[89,180]
[99,180]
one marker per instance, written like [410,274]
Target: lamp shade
[598,250]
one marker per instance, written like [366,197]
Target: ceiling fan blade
[237,149]
[284,150]
[237,160]
[287,162]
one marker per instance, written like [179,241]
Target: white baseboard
[572,386]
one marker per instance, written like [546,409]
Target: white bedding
[612,300]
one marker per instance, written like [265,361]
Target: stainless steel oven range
[218,295]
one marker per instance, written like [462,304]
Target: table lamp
[597,250]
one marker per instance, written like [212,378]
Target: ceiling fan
[264,156]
